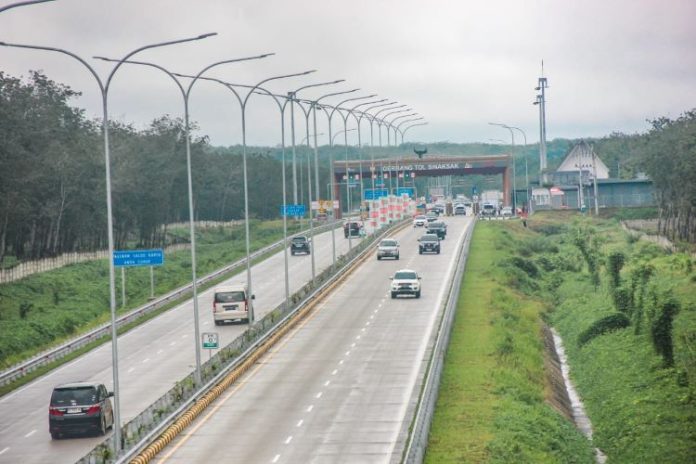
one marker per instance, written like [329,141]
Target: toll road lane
[339,388]
[152,358]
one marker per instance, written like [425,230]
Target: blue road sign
[292,210]
[371,194]
[139,258]
[408,190]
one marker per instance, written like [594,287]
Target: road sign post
[210,341]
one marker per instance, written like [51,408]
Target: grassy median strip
[492,404]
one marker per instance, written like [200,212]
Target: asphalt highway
[152,358]
[340,388]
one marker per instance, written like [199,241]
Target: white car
[388,248]
[419,221]
[506,211]
[231,303]
[405,282]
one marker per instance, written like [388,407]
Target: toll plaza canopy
[429,166]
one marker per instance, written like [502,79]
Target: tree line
[667,154]
[52,176]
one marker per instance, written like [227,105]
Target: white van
[231,303]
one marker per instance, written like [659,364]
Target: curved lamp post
[387,124]
[391,125]
[18,4]
[292,95]
[514,172]
[410,127]
[104,89]
[407,121]
[380,122]
[371,119]
[185,93]
[526,170]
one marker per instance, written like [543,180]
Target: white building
[580,160]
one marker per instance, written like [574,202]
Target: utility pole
[541,101]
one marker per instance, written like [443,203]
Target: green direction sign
[210,340]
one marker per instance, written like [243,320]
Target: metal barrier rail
[420,426]
[21,369]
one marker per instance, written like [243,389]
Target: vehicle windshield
[388,243]
[73,396]
[429,238]
[229,297]
[299,239]
[420,217]
[405,275]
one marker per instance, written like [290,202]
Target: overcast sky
[610,64]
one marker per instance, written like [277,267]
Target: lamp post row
[104,86]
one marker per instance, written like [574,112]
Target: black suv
[80,407]
[438,228]
[352,228]
[429,243]
[300,244]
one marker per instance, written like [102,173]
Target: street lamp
[380,122]
[339,133]
[514,172]
[526,171]
[407,121]
[387,124]
[391,124]
[305,138]
[403,133]
[104,89]
[185,93]
[27,3]
[292,95]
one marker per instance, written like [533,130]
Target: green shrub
[661,331]
[615,261]
[604,325]
[525,265]
[623,301]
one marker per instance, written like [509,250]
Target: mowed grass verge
[492,403]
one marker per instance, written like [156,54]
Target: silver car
[388,248]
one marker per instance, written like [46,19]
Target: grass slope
[491,406]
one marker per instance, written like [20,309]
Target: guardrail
[154,420]
[420,426]
[19,370]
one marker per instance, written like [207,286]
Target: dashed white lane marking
[352,345]
[30,434]
[145,360]
[358,337]
[340,362]
[335,371]
[4,449]
[131,370]
[348,353]
[326,384]
[372,316]
[184,336]
[160,351]
[275,459]
[288,440]
[309,409]
[299,424]
[318,395]
[172,344]
[362,330]
[368,322]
